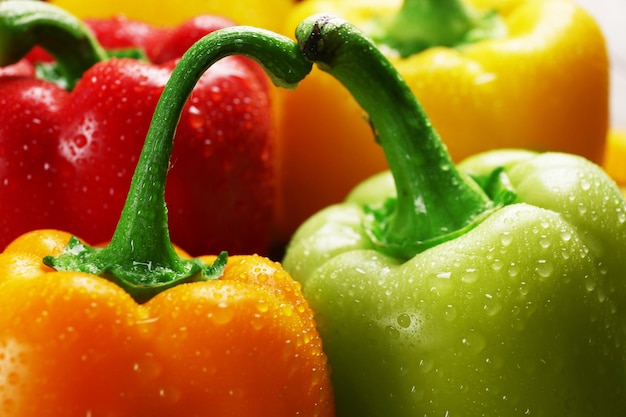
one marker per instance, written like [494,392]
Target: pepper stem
[421,24]
[26,24]
[140,256]
[435,202]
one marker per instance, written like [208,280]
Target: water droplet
[404,321]
[392,332]
[286,310]
[147,367]
[513,270]
[523,288]
[257,321]
[506,238]
[590,283]
[475,342]
[13,378]
[222,314]
[566,235]
[544,268]
[425,364]
[469,276]
[403,370]
[584,184]
[583,252]
[497,265]
[492,306]
[9,405]
[450,312]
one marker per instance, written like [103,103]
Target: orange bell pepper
[136,328]
[75,344]
[536,79]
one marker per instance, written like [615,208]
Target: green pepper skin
[492,288]
[523,315]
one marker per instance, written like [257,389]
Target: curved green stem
[140,256]
[421,24]
[26,24]
[435,202]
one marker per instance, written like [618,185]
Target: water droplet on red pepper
[196,118]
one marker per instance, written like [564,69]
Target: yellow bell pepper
[268,14]
[533,74]
[615,157]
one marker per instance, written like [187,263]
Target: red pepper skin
[160,44]
[23,68]
[220,190]
[29,127]
[120,32]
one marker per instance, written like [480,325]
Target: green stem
[421,24]
[140,256]
[26,24]
[435,202]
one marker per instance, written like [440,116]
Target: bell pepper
[517,78]
[490,288]
[137,327]
[159,44]
[615,156]
[268,14]
[66,158]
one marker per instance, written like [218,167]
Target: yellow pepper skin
[615,157]
[268,14]
[542,86]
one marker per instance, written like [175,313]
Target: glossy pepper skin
[66,158]
[74,343]
[159,44]
[268,14]
[541,65]
[615,156]
[137,327]
[495,287]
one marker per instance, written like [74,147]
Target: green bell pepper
[491,288]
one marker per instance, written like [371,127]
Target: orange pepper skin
[544,86]
[74,344]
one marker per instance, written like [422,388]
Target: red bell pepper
[66,157]
[159,43]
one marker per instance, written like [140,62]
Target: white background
[611,15]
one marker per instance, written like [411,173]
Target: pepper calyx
[435,202]
[421,24]
[142,280]
[496,185]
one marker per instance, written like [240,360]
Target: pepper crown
[140,257]
[435,202]
[421,24]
